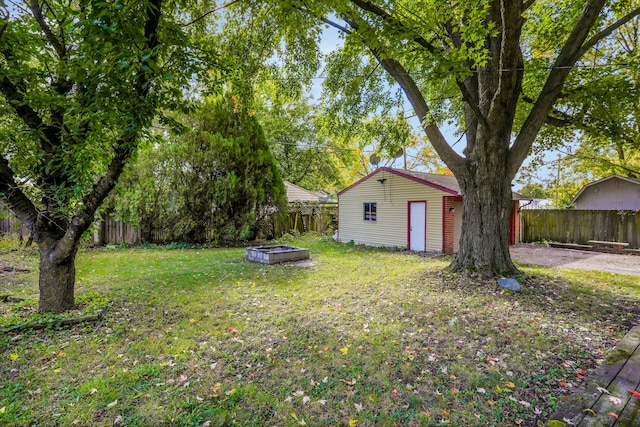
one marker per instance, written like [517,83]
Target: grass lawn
[358,337]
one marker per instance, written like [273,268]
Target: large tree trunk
[56,281]
[484,243]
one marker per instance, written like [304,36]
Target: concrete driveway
[570,258]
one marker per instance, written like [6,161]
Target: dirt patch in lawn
[571,258]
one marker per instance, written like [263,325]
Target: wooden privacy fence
[307,216]
[10,225]
[110,231]
[580,226]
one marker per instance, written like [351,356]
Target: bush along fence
[580,226]
[302,217]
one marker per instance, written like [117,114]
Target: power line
[619,66]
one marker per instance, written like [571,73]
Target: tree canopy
[81,83]
[494,68]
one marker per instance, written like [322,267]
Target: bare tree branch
[386,16]
[36,10]
[335,25]
[5,25]
[607,31]
[204,15]
[526,5]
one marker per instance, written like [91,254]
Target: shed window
[370,211]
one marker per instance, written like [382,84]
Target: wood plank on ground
[610,406]
[573,410]
[630,415]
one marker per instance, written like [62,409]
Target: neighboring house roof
[446,183]
[600,181]
[299,194]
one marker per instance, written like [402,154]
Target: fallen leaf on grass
[603,390]
[299,393]
[301,422]
[522,402]
[112,404]
[481,390]
[510,384]
[306,399]
[345,349]
[358,407]
[322,402]
[118,420]
[93,391]
[14,356]
[3,410]
[615,400]
[353,422]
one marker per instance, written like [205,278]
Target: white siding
[612,194]
[295,193]
[391,226]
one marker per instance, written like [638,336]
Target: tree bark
[484,242]
[56,281]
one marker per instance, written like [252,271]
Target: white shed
[406,209]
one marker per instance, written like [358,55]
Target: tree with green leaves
[596,123]
[80,85]
[215,180]
[304,155]
[467,62]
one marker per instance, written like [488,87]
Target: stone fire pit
[276,254]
